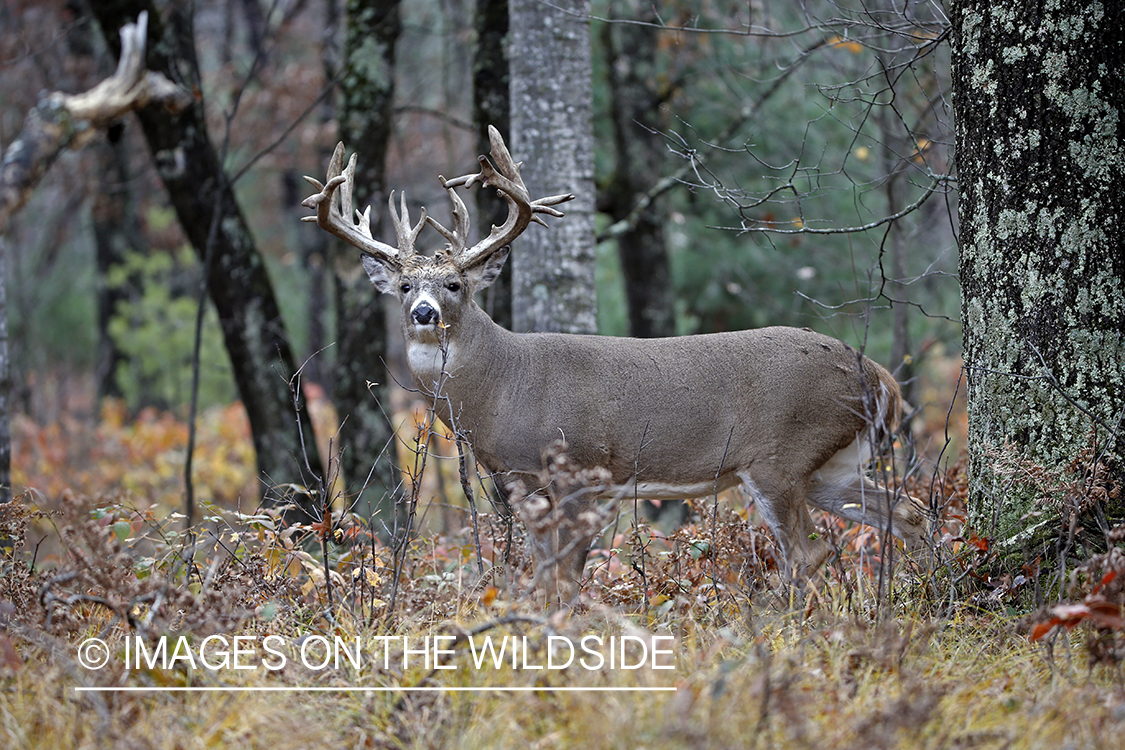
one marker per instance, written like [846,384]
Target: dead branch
[61,121]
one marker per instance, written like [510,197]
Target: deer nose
[424,314]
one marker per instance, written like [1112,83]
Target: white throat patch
[428,360]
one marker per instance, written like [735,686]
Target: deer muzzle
[424,314]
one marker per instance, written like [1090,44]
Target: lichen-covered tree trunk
[639,158]
[237,281]
[361,378]
[1039,93]
[552,134]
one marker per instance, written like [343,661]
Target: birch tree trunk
[552,134]
[1040,100]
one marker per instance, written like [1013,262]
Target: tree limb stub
[62,121]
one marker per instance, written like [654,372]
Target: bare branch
[62,121]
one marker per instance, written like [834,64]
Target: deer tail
[887,406]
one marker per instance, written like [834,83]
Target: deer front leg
[561,530]
[782,504]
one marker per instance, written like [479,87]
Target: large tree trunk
[552,134]
[1040,103]
[639,161]
[236,276]
[361,377]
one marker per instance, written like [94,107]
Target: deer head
[434,289]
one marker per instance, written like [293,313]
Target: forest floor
[120,629]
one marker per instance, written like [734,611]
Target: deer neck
[445,365]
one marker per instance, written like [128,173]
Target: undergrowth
[878,652]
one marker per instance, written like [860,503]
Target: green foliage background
[156,331]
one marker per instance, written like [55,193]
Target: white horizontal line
[213,689]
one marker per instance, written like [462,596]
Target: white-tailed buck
[791,414]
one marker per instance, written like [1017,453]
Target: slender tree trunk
[237,281]
[312,252]
[5,389]
[896,147]
[116,233]
[361,377]
[639,161]
[492,106]
[553,269]
[1040,106]
[315,247]
[893,146]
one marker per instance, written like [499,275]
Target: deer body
[669,414]
[789,413]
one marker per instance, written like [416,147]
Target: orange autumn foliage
[141,454]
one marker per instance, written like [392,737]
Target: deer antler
[401,220]
[505,177]
[334,209]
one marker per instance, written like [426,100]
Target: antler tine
[460,234]
[505,177]
[406,234]
[333,204]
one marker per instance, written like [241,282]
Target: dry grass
[874,655]
[920,666]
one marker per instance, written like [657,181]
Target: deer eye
[404,288]
[453,286]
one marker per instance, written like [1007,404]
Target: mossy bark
[361,379]
[1039,94]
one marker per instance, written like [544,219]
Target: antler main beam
[334,208]
[505,177]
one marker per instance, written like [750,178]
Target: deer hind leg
[841,487]
[782,504]
[561,533]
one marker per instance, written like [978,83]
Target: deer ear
[489,271]
[382,274]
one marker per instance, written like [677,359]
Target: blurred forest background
[795,177]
